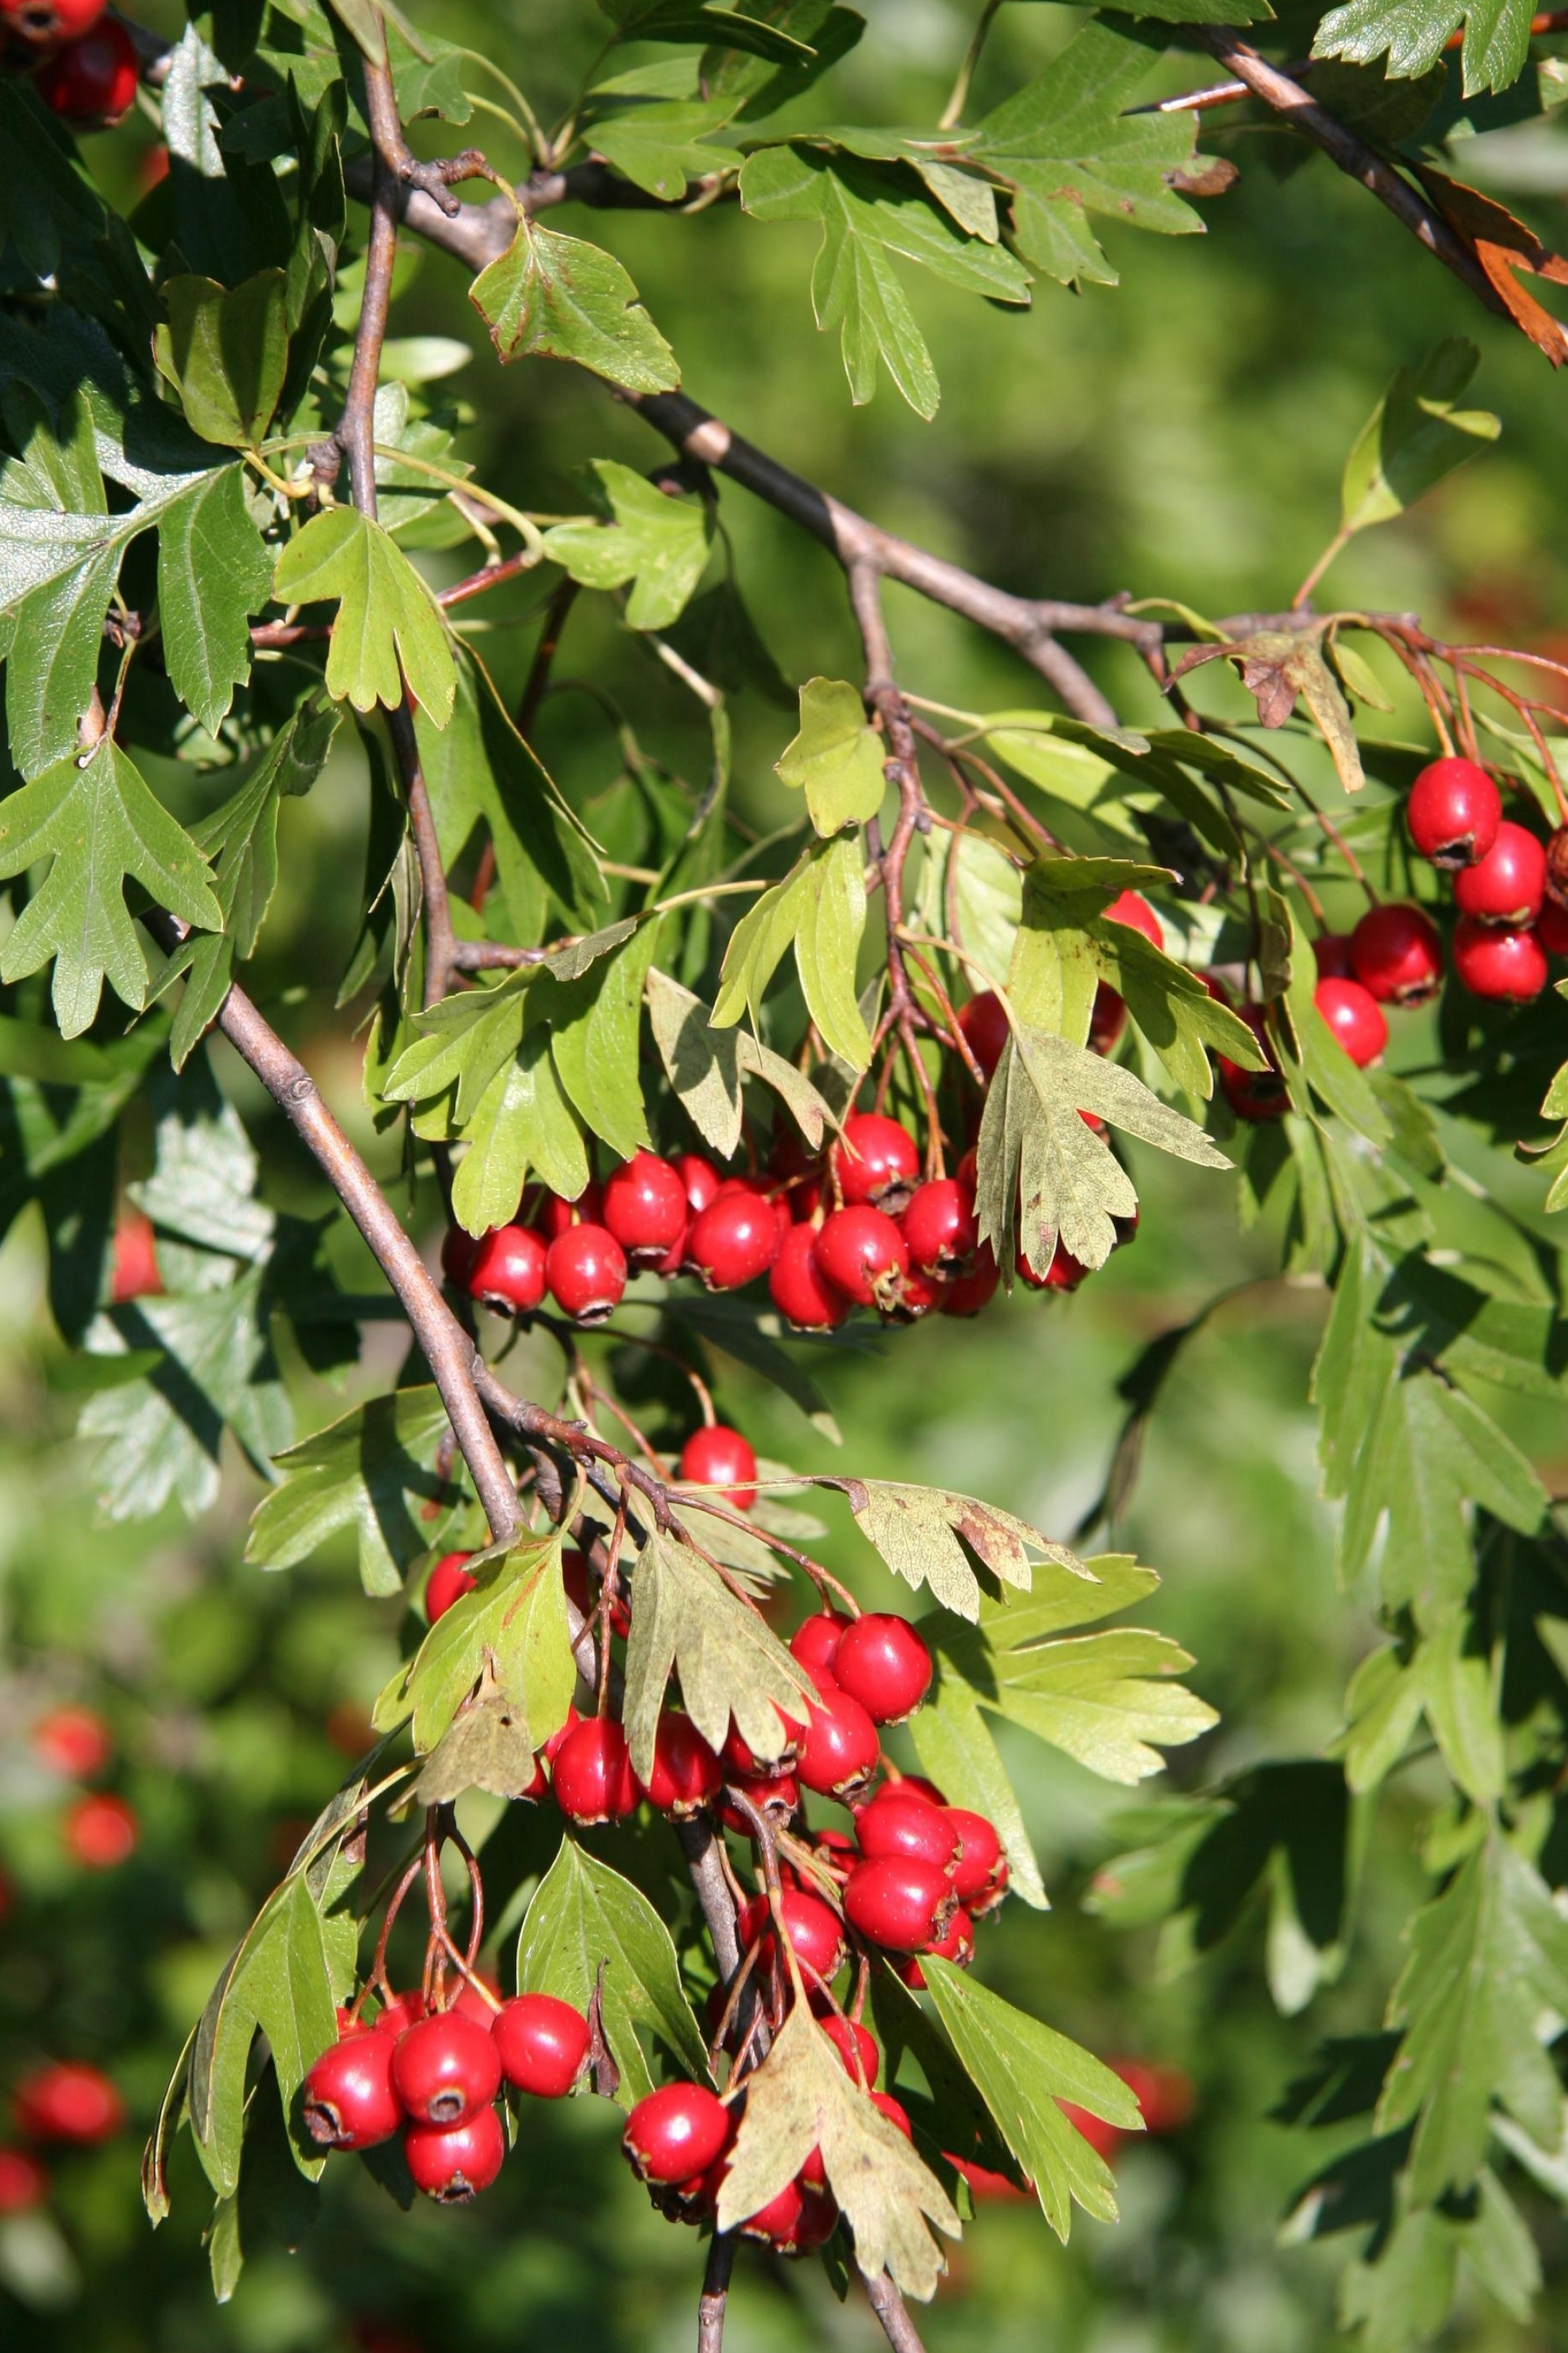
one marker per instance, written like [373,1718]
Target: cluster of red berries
[64,2103]
[435,2077]
[1510,888]
[98,1829]
[83,63]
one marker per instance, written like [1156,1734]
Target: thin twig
[893,2312]
[715,2294]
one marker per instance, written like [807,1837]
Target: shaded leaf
[368,1472]
[687,1622]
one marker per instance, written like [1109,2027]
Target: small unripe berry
[874,1157]
[979,1854]
[1492,962]
[799,1289]
[101,1831]
[864,1255]
[1509,883]
[1453,813]
[686,1773]
[939,1225]
[445,2068]
[985,1026]
[349,2099]
[586,1268]
[447,1582]
[894,1823]
[453,2163]
[734,1240]
[592,1776]
[900,1903]
[93,80]
[72,1741]
[24,2182]
[841,1750]
[646,1207]
[506,1271]
[69,2099]
[716,1456]
[855,2045]
[675,2132]
[883,1663]
[1355,1017]
[814,1642]
[542,2045]
[1396,954]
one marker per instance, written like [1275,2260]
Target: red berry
[1164,2094]
[957,1945]
[900,1903]
[1496,962]
[1552,927]
[542,2045]
[985,1026]
[718,1457]
[73,1741]
[919,1294]
[686,1773]
[966,1295]
[734,1240]
[1509,883]
[984,2183]
[558,1217]
[1108,1019]
[349,2100]
[864,1254]
[399,2013]
[841,1750]
[815,1642]
[896,1823]
[939,1225]
[799,1289]
[675,2132]
[136,1274]
[459,1251]
[1452,812]
[92,80]
[979,1854]
[592,1776]
[699,1178]
[452,2163]
[24,2182]
[795,2221]
[812,1927]
[883,1663]
[855,2045]
[506,1272]
[1255,1094]
[44,24]
[69,2099]
[1130,907]
[738,1757]
[560,1736]
[646,1207]
[1355,1017]
[101,1831]
[874,1157]
[586,1271]
[915,1785]
[776,1795]
[446,2068]
[472,1998]
[574,1578]
[1331,954]
[1395,952]
[897,2116]
[447,1582]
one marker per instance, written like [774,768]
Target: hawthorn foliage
[240,539]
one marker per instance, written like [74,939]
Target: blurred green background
[1180,434]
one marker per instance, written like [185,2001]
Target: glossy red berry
[646,1206]
[1509,883]
[699,1178]
[983,1023]
[507,1271]
[675,2132]
[1493,962]
[24,2182]
[1396,954]
[92,81]
[452,2163]
[396,2015]
[349,2099]
[136,1273]
[1130,907]
[1551,928]
[1355,1017]
[814,1642]
[1331,955]
[69,2099]
[1453,813]
[1254,1094]
[459,1251]
[815,1931]
[686,1773]
[44,24]
[874,1157]
[939,1225]
[101,1831]
[885,1664]
[864,1255]
[896,2115]
[447,1582]
[72,1741]
[734,1240]
[840,1751]
[542,2045]
[797,2220]
[716,1456]
[979,1856]
[1065,1272]
[557,1216]
[900,1903]
[737,1754]
[855,2045]
[966,1295]
[479,1998]
[799,1289]
[586,1268]
[445,2068]
[592,1776]
[896,1823]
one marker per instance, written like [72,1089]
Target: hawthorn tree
[687,1099]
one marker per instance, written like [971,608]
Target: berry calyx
[447,1582]
[734,1240]
[1355,1017]
[814,1642]
[894,1823]
[862,1252]
[445,2068]
[92,81]
[875,1158]
[900,1903]
[69,2099]
[586,1268]
[71,1741]
[1509,883]
[799,1289]
[542,2045]
[840,1751]
[1492,962]
[592,1776]
[716,1456]
[1395,952]
[452,2163]
[985,1026]
[507,1271]
[939,1225]
[101,1831]
[349,2099]
[855,2045]
[675,2132]
[686,1773]
[646,1207]
[883,1663]
[1130,907]
[979,1856]
[1453,813]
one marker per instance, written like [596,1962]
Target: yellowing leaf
[389,625]
[686,1621]
[917,1532]
[836,759]
[819,910]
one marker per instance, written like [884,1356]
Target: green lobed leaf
[559,298]
[225,353]
[659,543]
[1416,435]
[388,626]
[917,1532]
[369,1471]
[214,572]
[686,1621]
[1413,35]
[836,759]
[510,1629]
[819,912]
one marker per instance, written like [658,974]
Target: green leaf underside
[818,911]
[368,1472]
